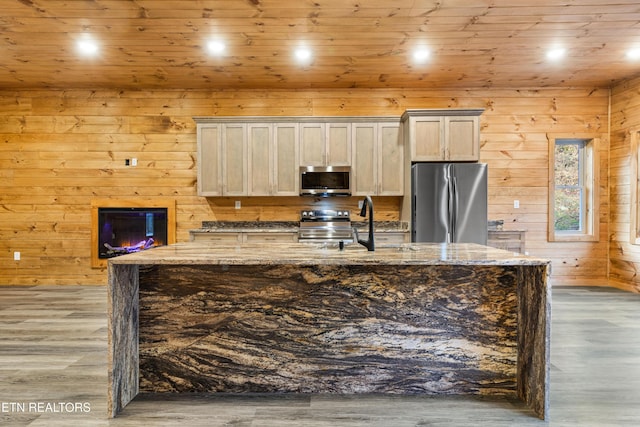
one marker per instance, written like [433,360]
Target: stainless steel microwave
[325,181]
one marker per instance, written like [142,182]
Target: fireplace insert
[127,230]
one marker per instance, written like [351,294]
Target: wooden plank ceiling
[161,44]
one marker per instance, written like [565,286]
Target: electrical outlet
[238,204]
[16,256]
[134,162]
[360,203]
[516,204]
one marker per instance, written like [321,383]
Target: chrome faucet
[369,244]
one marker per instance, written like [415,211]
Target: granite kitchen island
[305,318]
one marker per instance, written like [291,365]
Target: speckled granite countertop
[288,226]
[247,226]
[326,254]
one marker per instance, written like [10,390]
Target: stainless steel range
[325,226]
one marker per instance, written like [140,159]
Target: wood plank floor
[53,372]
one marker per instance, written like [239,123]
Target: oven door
[316,235]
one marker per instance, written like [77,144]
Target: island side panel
[534,337]
[123,356]
[328,329]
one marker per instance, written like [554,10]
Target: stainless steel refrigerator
[449,203]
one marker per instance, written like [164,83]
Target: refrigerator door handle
[449,204]
[414,209]
[454,210]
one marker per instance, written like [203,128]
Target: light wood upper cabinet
[364,171]
[377,159]
[462,138]
[325,144]
[312,144]
[222,159]
[390,160]
[285,160]
[273,166]
[338,144]
[443,135]
[426,139]
[247,159]
[234,159]
[209,159]
[260,141]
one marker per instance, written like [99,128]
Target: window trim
[591,176]
[634,184]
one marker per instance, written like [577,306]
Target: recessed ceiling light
[421,55]
[216,47]
[556,53]
[633,54]
[302,55]
[87,46]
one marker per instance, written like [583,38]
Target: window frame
[589,175]
[634,184]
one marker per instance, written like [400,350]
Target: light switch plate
[516,204]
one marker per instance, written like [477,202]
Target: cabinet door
[364,164]
[427,139]
[392,237]
[462,138]
[209,160]
[506,239]
[260,159]
[312,144]
[234,156]
[286,167]
[265,237]
[325,144]
[222,237]
[338,144]
[390,173]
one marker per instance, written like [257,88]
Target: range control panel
[325,215]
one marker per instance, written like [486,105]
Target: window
[569,203]
[573,198]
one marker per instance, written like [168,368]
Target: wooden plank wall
[515,132]
[625,117]
[60,149]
